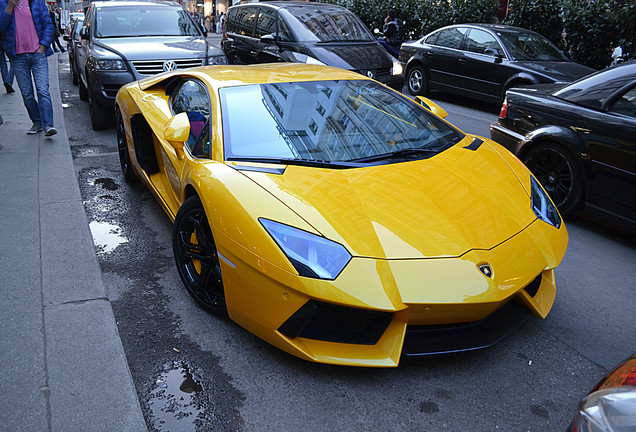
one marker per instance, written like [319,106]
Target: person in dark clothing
[56,34]
[393,29]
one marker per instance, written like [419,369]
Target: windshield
[328,24]
[327,121]
[529,46]
[150,20]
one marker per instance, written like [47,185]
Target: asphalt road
[194,371]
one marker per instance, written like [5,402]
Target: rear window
[593,90]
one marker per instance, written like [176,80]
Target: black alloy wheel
[122,149]
[559,173]
[416,81]
[196,257]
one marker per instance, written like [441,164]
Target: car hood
[442,206]
[351,56]
[557,71]
[164,47]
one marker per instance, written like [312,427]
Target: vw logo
[370,74]
[169,65]
[486,270]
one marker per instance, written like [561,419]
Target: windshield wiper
[399,154]
[301,162]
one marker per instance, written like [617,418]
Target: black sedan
[74,40]
[579,140]
[484,60]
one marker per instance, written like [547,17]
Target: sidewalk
[63,366]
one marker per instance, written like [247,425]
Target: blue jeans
[34,65]
[7,74]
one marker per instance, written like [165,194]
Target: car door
[267,51]
[443,58]
[611,140]
[190,97]
[82,48]
[483,68]
[244,43]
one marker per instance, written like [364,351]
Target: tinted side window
[478,41]
[266,23]
[431,39]
[626,104]
[230,21]
[192,98]
[244,23]
[452,37]
[284,32]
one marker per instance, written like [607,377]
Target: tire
[101,117]
[417,81]
[196,257]
[122,148]
[74,72]
[559,173]
[83,92]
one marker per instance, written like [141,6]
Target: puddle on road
[172,401]
[106,236]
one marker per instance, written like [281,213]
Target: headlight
[542,205]
[612,409]
[217,60]
[398,69]
[110,65]
[311,255]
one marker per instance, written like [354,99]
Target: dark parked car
[74,40]
[484,60]
[611,404]
[303,32]
[579,140]
[124,41]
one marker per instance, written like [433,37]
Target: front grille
[333,323]
[381,75]
[152,67]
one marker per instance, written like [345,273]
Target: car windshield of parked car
[120,21]
[528,46]
[327,25]
[593,90]
[328,121]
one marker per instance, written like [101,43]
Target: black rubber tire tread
[122,148]
[101,117]
[206,285]
[559,172]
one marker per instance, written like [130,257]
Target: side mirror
[431,106]
[269,38]
[84,33]
[499,58]
[176,132]
[67,38]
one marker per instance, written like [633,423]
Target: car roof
[493,27]
[237,75]
[135,3]
[291,4]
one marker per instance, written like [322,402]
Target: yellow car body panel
[417,231]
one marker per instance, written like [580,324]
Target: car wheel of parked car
[101,117]
[417,82]
[83,93]
[196,257]
[558,172]
[122,148]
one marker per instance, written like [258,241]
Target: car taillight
[504,109]
[623,375]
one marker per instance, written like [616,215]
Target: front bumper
[106,84]
[434,306]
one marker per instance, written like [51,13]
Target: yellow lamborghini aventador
[336,218]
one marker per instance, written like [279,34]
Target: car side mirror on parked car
[84,33]
[269,38]
[176,132]
[431,106]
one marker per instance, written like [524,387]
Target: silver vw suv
[123,41]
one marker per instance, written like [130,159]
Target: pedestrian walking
[6,71]
[56,34]
[221,23]
[29,32]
